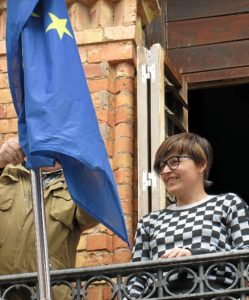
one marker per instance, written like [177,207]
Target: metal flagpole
[41,236]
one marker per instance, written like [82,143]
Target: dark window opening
[222,116]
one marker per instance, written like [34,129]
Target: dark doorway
[222,116]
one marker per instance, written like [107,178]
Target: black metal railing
[117,277]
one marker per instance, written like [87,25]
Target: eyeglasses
[172,162]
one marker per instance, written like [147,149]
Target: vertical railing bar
[78,288]
[241,267]
[119,285]
[201,278]
[160,280]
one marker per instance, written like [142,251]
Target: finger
[170,253]
[185,252]
[12,148]
[167,253]
[181,253]
[9,155]
[174,253]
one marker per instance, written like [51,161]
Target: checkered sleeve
[238,222]
[138,285]
[141,249]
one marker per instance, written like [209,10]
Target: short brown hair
[197,147]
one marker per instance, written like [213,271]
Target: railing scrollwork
[116,278]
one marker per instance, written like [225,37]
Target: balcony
[116,277]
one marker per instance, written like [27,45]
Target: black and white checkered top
[214,224]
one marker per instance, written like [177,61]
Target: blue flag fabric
[56,117]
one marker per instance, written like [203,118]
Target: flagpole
[41,236]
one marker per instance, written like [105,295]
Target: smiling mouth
[171,179]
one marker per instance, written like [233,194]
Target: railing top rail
[127,268]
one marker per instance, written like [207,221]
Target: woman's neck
[191,198]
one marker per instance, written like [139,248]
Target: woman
[197,223]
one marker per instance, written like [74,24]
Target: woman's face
[183,178]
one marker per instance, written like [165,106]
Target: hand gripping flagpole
[41,236]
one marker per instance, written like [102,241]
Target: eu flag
[56,118]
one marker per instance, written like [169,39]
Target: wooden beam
[211,57]
[218,78]
[193,9]
[189,33]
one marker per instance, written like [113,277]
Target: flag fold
[56,117]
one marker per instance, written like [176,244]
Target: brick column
[107,34]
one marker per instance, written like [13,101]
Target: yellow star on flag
[59,25]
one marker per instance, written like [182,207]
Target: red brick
[93,258]
[124,115]
[3,65]
[96,85]
[120,33]
[5,96]
[125,70]
[123,160]
[96,70]
[105,116]
[99,242]
[102,116]
[122,256]
[118,243]
[109,148]
[4,82]
[111,52]
[103,229]
[89,36]
[130,227]
[123,176]
[82,243]
[83,54]
[107,292]
[101,14]
[124,84]
[99,292]
[130,11]
[2,47]
[125,12]
[119,13]
[2,23]
[124,99]
[11,113]
[100,99]
[3,112]
[125,192]
[123,145]
[127,207]
[79,16]
[106,131]
[8,126]
[123,130]
[95,293]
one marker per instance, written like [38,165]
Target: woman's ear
[202,167]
